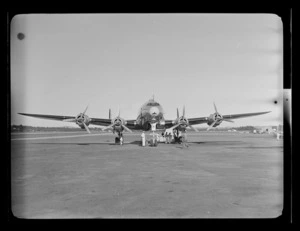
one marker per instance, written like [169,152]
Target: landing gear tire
[153,143]
[117,140]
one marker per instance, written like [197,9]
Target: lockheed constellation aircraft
[150,118]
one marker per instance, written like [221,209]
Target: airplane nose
[154,111]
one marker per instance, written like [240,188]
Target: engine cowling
[82,118]
[118,123]
[184,121]
[215,118]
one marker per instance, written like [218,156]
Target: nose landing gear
[119,139]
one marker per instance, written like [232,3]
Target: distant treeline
[24,128]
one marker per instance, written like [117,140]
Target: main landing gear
[180,137]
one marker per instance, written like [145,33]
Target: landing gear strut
[177,138]
[180,139]
[119,138]
[153,141]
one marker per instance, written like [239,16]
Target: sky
[68,61]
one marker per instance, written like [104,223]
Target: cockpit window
[152,104]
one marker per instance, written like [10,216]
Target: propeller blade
[126,128]
[85,109]
[211,125]
[215,108]
[183,111]
[177,113]
[174,126]
[86,127]
[227,120]
[108,127]
[109,114]
[70,120]
[195,129]
[119,113]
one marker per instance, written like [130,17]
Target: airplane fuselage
[151,116]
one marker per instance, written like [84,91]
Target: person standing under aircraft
[169,137]
[121,139]
[143,139]
[162,137]
[184,140]
[157,137]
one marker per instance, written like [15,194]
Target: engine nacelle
[184,121]
[215,118]
[81,118]
[118,121]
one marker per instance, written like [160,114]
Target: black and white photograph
[146,115]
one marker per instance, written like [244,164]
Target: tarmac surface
[78,175]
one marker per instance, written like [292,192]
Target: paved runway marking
[56,137]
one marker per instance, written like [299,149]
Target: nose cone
[154,111]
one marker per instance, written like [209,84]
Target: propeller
[126,128]
[195,129]
[215,108]
[86,127]
[80,119]
[183,119]
[211,125]
[219,118]
[85,109]
[108,127]
[116,121]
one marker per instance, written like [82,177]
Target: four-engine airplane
[150,118]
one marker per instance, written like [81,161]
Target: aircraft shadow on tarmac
[139,143]
[95,143]
[217,142]
[98,143]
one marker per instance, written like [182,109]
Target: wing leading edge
[49,117]
[95,121]
[238,116]
[202,120]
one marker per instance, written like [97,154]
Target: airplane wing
[100,122]
[238,116]
[192,121]
[95,121]
[49,117]
[202,120]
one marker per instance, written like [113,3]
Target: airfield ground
[74,175]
